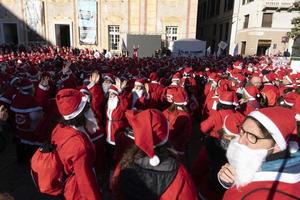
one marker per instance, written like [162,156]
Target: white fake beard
[91,122]
[105,87]
[245,161]
[112,103]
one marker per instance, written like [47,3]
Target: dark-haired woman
[77,152]
[180,122]
[149,170]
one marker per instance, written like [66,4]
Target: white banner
[87,19]
[34,12]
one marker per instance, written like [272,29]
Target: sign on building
[87,19]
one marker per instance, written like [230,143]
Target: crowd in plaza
[125,124]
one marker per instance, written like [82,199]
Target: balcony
[278,4]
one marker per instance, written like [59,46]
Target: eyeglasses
[251,137]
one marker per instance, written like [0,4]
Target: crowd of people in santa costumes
[125,126]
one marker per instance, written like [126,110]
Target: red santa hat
[232,122]
[291,78]
[25,84]
[176,76]
[180,97]
[70,103]
[240,78]
[113,89]
[150,129]
[228,98]
[24,103]
[238,64]
[251,91]
[139,82]
[153,76]
[187,71]
[290,98]
[8,95]
[109,77]
[279,121]
[33,73]
[269,77]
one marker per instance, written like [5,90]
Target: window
[218,7]
[220,31]
[212,8]
[226,31]
[230,4]
[225,5]
[267,20]
[201,32]
[243,49]
[246,21]
[171,33]
[204,10]
[215,29]
[114,37]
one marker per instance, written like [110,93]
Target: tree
[295,31]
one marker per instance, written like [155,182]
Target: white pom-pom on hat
[154,161]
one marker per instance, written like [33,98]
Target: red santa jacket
[180,128]
[156,92]
[116,119]
[250,106]
[214,122]
[271,92]
[77,156]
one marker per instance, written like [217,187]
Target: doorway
[263,46]
[10,31]
[62,35]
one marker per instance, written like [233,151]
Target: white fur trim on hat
[288,78]
[27,87]
[5,100]
[226,129]
[271,127]
[138,83]
[226,102]
[287,103]
[180,103]
[80,108]
[154,161]
[113,91]
[13,80]
[26,110]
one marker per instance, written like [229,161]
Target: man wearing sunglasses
[263,162]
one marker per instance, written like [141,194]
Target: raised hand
[66,67]
[95,77]
[3,113]
[124,84]
[45,81]
[147,88]
[118,83]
